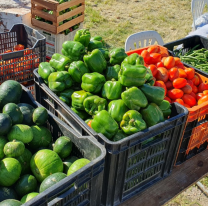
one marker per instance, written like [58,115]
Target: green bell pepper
[117,55]
[73,50]
[83,36]
[98,38]
[77,69]
[64,99]
[149,77]
[95,61]
[134,98]
[78,98]
[119,136]
[92,82]
[132,122]
[112,90]
[132,75]
[44,70]
[153,94]
[103,123]
[94,45]
[65,95]
[112,72]
[134,59]
[82,114]
[152,115]
[94,104]
[151,82]
[59,81]
[117,109]
[59,62]
[165,107]
[105,53]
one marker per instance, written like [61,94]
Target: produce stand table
[181,178]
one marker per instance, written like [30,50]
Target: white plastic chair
[143,39]
[197,8]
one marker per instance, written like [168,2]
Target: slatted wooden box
[37,7]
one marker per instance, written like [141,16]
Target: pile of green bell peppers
[113,91]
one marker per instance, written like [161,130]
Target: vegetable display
[182,84]
[111,91]
[30,160]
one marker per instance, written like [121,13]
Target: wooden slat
[67,15]
[46,4]
[69,4]
[44,26]
[70,23]
[45,15]
[181,178]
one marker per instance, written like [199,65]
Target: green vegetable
[94,104]
[117,109]
[165,108]
[10,202]
[59,62]
[59,81]
[149,77]
[45,69]
[5,123]
[152,115]
[132,75]
[105,53]
[68,162]
[119,136]
[14,149]
[3,141]
[117,55]
[95,61]
[73,50]
[112,90]
[78,98]
[40,116]
[98,38]
[92,82]
[153,94]
[112,72]
[134,98]
[94,44]
[28,197]
[134,59]
[82,114]
[83,36]
[105,124]
[132,122]
[77,69]
[27,112]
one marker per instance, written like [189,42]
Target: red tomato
[190,83]
[203,99]
[196,80]
[187,89]
[153,68]
[169,62]
[187,106]
[202,87]
[177,60]
[161,84]
[180,65]
[173,74]
[180,101]
[175,93]
[169,85]
[168,99]
[193,95]
[153,49]
[162,74]
[163,59]
[182,73]
[190,73]
[188,99]
[194,89]
[179,83]
[160,64]
[154,58]
[199,95]
[146,56]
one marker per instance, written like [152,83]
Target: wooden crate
[38,5]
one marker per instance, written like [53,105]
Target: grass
[115,20]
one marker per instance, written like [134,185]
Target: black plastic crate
[19,65]
[131,164]
[87,181]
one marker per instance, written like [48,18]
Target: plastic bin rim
[91,138]
[95,133]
